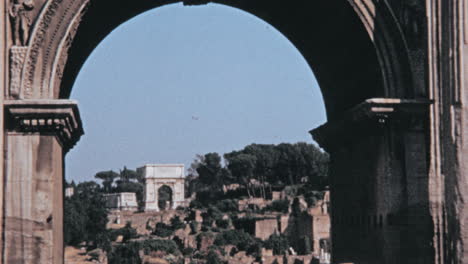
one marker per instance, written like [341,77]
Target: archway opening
[338,98]
[165,198]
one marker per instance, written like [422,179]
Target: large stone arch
[393,92]
[369,58]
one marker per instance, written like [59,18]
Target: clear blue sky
[177,81]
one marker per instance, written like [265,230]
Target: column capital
[60,117]
[368,117]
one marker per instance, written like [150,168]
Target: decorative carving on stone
[36,45]
[17,56]
[49,30]
[20,21]
[62,53]
[60,117]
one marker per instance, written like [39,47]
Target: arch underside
[342,51]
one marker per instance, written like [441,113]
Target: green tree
[86,215]
[127,253]
[209,168]
[213,258]
[75,218]
[107,178]
[207,174]
[242,167]
[127,175]
[279,244]
[127,232]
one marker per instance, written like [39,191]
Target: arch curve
[353,50]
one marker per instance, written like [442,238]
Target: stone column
[379,182]
[38,135]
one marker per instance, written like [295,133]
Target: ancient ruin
[164,186]
[392,74]
[121,201]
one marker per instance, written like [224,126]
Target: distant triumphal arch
[392,74]
[163,180]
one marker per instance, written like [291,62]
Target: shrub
[176,223]
[194,227]
[227,205]
[204,234]
[103,241]
[167,246]
[279,243]
[213,258]
[128,232]
[188,251]
[281,206]
[238,238]
[245,223]
[163,230]
[86,215]
[125,254]
[222,223]
[196,204]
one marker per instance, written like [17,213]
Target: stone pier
[39,133]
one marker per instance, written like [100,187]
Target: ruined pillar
[38,135]
[379,182]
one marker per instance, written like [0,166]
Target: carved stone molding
[17,56]
[60,117]
[370,116]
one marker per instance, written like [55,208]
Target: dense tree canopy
[86,216]
[261,166]
[285,163]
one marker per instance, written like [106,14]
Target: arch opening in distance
[165,198]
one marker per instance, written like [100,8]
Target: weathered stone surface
[38,135]
[121,201]
[264,228]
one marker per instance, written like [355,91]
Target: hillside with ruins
[263,204]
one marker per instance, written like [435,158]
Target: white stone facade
[125,201]
[163,175]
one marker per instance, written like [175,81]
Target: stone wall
[265,228]
[121,201]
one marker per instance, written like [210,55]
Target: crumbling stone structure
[125,201]
[392,74]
